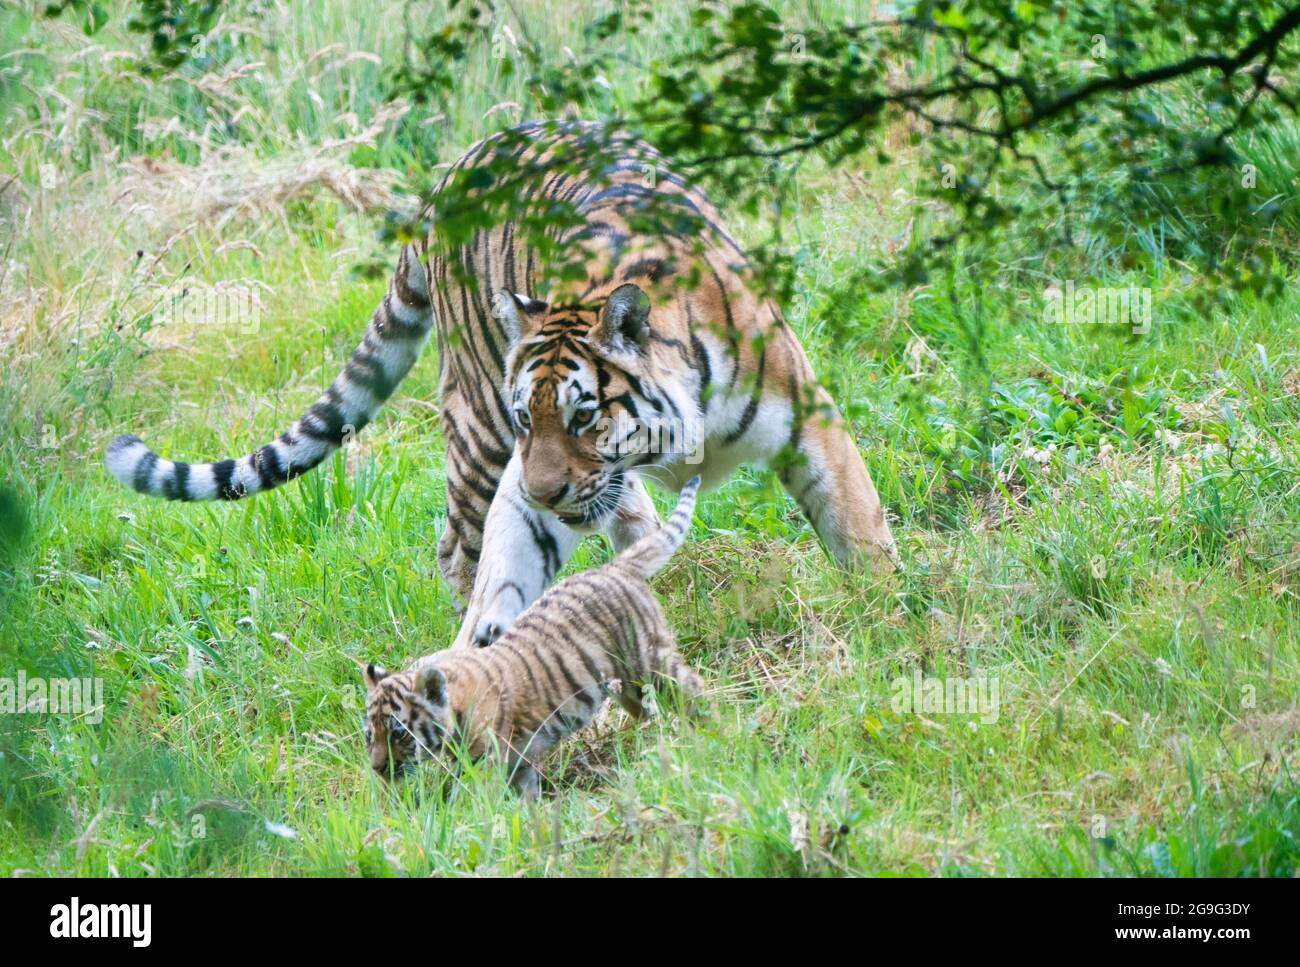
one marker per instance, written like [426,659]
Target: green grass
[1104,524]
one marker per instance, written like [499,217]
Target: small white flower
[800,839]
[1039,456]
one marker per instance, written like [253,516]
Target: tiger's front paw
[486,632]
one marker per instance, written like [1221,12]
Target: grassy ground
[1102,523]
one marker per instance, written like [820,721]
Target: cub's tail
[648,555]
[398,331]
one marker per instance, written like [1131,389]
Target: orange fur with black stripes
[664,331]
[545,405]
[546,677]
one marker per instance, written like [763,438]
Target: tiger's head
[408,718]
[583,382]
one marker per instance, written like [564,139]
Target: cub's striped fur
[546,676]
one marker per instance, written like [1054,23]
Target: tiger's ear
[625,319]
[518,313]
[373,676]
[432,683]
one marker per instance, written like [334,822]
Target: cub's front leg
[635,517]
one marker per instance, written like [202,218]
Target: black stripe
[168,485]
[466,548]
[402,286]
[575,684]
[224,473]
[468,480]
[797,418]
[497,456]
[144,471]
[706,371]
[752,407]
[181,482]
[464,506]
[611,620]
[624,400]
[509,643]
[328,425]
[368,372]
[544,542]
[546,670]
[653,269]
[267,464]
[596,673]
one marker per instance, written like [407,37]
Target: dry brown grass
[234,182]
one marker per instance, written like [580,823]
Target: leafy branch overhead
[1040,129]
[1141,129]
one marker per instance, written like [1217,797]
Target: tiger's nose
[549,499]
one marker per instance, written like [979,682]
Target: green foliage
[1051,127]
[174,28]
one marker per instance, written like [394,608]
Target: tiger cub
[546,676]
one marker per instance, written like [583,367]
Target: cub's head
[582,384]
[408,718]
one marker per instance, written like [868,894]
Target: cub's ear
[518,313]
[432,683]
[373,676]
[625,319]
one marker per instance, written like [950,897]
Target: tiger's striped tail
[647,556]
[398,331]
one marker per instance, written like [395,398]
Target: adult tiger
[546,404]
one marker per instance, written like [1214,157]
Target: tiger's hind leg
[660,659]
[674,666]
[630,699]
[827,477]
[525,779]
[475,462]
[688,684]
